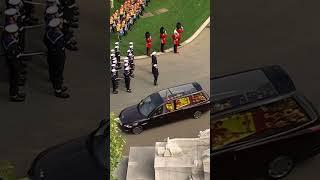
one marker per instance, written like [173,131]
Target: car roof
[181,90]
[252,85]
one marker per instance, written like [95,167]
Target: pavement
[257,33]
[192,63]
[43,120]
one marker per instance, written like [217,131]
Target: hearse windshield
[151,102]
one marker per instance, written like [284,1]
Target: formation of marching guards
[59,19]
[128,67]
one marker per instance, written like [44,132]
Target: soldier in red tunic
[175,39]
[179,30]
[148,42]
[163,37]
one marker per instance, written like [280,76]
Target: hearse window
[158,111]
[169,106]
[253,95]
[151,102]
[182,102]
[259,122]
[199,97]
[228,103]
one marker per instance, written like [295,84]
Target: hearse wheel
[197,114]
[137,129]
[280,167]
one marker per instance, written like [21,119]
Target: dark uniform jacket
[54,40]
[154,60]
[155,71]
[11,46]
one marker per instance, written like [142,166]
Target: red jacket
[163,38]
[180,30]
[149,42]
[175,39]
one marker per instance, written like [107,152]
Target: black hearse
[260,125]
[168,105]
[83,158]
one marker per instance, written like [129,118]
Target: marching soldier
[127,78]
[117,53]
[163,37]
[155,73]
[148,43]
[12,17]
[10,42]
[179,30]
[131,64]
[55,42]
[175,38]
[114,80]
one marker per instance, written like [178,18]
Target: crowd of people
[128,67]
[122,20]
[59,20]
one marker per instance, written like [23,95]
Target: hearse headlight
[127,126]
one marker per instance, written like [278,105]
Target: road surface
[43,120]
[191,64]
[256,33]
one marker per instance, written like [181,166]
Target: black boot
[64,88]
[76,13]
[71,47]
[129,90]
[74,42]
[74,25]
[22,81]
[75,19]
[61,94]
[17,98]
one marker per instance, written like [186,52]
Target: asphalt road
[256,33]
[44,120]
[191,64]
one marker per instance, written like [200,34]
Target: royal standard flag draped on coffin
[232,129]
